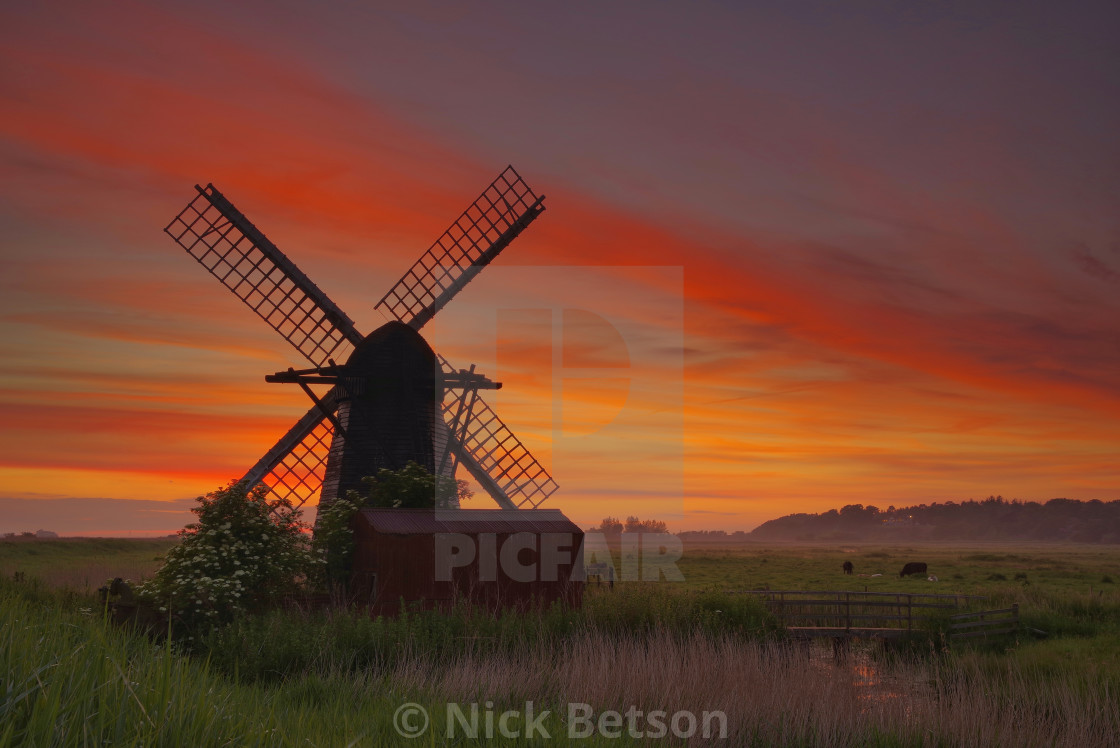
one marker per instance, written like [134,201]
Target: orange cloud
[895,361]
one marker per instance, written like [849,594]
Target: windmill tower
[393,399]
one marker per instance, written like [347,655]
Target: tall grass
[289,642]
[335,678]
[71,680]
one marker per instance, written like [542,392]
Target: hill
[993,518]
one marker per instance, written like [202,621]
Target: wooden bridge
[881,615]
[985,622]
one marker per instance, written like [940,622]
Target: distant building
[494,558]
[45,534]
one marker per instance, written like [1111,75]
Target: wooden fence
[819,613]
[984,623]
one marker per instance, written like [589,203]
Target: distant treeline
[615,526]
[993,518]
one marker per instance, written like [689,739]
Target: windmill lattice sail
[297,477]
[236,253]
[494,456]
[500,213]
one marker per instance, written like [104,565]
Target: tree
[243,553]
[609,526]
[633,524]
[411,487]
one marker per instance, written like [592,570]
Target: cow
[848,568]
[913,567]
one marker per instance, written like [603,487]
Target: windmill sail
[298,476]
[500,213]
[494,456]
[295,466]
[236,253]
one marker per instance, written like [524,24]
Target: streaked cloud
[895,269]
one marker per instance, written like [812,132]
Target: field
[1071,592]
[82,563]
[292,677]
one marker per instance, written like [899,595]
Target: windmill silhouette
[393,399]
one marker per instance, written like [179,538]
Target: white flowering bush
[242,554]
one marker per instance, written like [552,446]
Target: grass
[73,680]
[324,642]
[83,563]
[1058,587]
[961,569]
[333,678]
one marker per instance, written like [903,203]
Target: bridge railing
[984,623]
[835,613]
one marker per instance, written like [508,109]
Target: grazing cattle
[848,568]
[914,567]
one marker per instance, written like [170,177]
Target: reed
[71,679]
[335,678]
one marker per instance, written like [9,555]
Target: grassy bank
[73,680]
[333,678]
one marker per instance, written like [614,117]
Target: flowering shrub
[243,553]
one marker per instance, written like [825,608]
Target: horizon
[792,258]
[30,511]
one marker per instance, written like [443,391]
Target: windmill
[393,399]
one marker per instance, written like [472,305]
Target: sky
[794,255]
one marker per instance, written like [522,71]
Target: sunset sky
[794,255]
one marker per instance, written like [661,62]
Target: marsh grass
[284,643]
[73,680]
[335,678]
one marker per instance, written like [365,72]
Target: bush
[243,553]
[333,545]
[411,487]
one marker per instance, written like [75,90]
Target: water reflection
[876,685]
